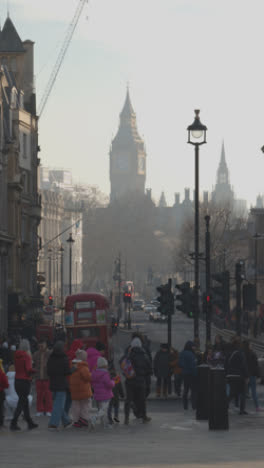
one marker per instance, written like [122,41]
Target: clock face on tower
[122,163]
[141,165]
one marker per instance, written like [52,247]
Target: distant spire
[162,201]
[222,171]
[223,158]
[7,7]
[127,110]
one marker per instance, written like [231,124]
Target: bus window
[88,332]
[85,305]
[84,315]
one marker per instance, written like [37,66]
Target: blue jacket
[187,363]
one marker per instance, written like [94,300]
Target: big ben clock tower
[127,156]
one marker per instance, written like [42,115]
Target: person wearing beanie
[102,386]
[136,385]
[94,353]
[81,392]
[24,371]
[136,343]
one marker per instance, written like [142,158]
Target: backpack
[126,367]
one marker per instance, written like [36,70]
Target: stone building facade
[21,156]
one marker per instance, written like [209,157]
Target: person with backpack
[136,366]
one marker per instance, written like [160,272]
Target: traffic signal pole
[238,298]
[166,300]
[170,312]
[208,279]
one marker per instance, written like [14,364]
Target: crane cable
[61,56]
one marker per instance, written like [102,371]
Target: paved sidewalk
[173,439]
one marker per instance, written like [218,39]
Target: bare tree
[228,238]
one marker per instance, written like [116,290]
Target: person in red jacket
[3,385]
[24,371]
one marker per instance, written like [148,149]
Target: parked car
[156,316]
[149,308]
[138,304]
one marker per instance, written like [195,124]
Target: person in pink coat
[93,354]
[102,386]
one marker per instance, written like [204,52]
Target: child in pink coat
[102,386]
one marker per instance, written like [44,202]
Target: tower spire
[223,158]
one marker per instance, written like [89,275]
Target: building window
[24,145]
[13,64]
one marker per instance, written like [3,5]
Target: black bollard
[218,407]
[202,408]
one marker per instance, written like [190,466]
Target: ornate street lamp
[196,137]
[70,240]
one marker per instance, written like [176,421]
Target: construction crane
[63,50]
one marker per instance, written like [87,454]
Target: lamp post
[196,137]
[61,250]
[70,240]
[49,259]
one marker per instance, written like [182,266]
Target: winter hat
[101,362]
[136,343]
[13,347]
[24,345]
[81,355]
[5,345]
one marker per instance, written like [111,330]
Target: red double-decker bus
[87,317]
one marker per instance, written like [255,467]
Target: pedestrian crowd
[69,383]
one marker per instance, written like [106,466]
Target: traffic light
[127,297]
[249,297]
[240,271]
[221,293]
[50,300]
[185,298]
[165,299]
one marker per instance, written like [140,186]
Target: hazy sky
[177,55]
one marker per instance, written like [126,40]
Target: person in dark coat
[58,370]
[136,386]
[162,370]
[146,347]
[117,393]
[253,371]
[188,364]
[237,374]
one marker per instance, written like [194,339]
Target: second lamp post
[70,240]
[196,137]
